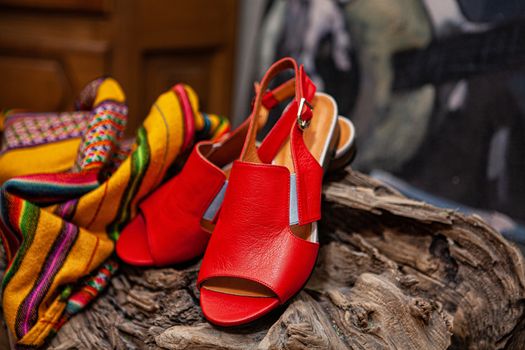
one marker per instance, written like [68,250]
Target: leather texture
[253,239]
[174,232]
[170,219]
[309,175]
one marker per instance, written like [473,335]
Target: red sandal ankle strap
[303,89]
[286,90]
[276,136]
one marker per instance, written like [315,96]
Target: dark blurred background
[49,49]
[436,89]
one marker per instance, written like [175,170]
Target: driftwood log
[392,273]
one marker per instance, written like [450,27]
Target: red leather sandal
[175,222]
[265,245]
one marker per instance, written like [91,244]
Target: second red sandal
[264,246]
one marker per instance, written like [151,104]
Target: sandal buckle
[303,124]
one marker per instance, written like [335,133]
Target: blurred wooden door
[49,49]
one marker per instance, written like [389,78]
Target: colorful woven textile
[30,129]
[58,227]
[57,136]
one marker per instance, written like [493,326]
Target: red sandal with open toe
[264,246]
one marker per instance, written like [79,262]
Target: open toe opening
[238,286]
[227,301]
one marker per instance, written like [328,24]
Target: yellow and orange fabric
[69,184]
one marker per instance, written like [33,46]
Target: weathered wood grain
[392,274]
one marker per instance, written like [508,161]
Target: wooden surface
[49,49]
[392,274]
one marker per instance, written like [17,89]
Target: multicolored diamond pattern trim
[23,130]
[103,135]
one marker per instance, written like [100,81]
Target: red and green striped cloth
[58,227]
